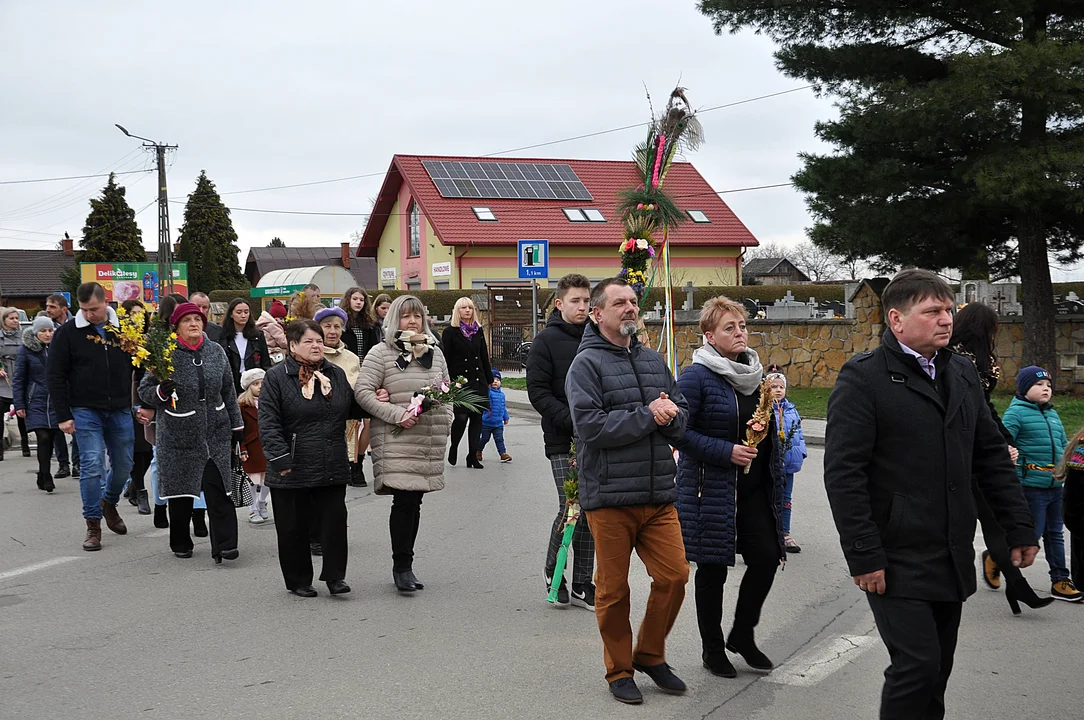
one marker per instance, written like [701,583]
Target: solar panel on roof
[521,181]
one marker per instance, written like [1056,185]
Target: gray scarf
[744,373]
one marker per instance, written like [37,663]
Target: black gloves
[165,390]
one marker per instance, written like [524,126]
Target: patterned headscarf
[306,373]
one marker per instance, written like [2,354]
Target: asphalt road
[132,632]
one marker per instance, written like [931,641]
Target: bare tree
[769,249]
[815,261]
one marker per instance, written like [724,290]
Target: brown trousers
[655,533]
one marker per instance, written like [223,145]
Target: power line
[496,208]
[527,147]
[70,177]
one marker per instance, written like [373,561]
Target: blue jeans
[788,491]
[1045,504]
[99,432]
[497,434]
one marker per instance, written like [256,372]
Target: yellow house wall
[437,254]
[390,240]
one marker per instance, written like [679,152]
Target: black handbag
[242,486]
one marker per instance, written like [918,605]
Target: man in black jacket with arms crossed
[552,353]
[908,427]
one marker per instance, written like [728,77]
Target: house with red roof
[455,222]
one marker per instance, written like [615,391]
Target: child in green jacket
[1039,436]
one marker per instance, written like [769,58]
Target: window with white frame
[415,230]
[484,213]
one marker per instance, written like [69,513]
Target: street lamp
[165,249]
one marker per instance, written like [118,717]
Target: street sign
[67,296]
[275,291]
[534,259]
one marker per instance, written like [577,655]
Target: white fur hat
[250,376]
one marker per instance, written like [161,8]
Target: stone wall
[811,352]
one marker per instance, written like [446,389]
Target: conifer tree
[208,242]
[111,234]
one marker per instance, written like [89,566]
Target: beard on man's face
[628,328]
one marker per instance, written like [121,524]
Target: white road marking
[36,566]
[822,660]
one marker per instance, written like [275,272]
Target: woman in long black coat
[723,509]
[243,342]
[304,405]
[974,333]
[464,346]
[31,399]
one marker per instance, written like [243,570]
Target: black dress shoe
[337,587]
[663,676]
[64,472]
[718,664]
[230,554]
[625,690]
[411,578]
[402,584]
[183,553]
[304,591]
[750,652]
[475,464]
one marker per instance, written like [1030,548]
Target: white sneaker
[255,518]
[262,506]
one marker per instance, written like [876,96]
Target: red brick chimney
[66,245]
[345,253]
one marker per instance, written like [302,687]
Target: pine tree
[276,242]
[111,234]
[208,242]
[960,137]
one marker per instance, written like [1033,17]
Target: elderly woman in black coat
[730,496]
[304,406]
[197,417]
[464,346]
[32,396]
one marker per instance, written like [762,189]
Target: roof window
[484,213]
[594,215]
[574,214]
[698,216]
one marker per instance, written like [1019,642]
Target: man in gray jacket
[627,411]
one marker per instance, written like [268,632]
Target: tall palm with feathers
[646,210]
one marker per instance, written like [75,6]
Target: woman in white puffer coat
[408,465]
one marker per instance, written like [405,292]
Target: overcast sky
[272,93]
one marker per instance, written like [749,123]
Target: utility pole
[165,246]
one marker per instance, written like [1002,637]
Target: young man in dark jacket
[56,307]
[552,353]
[908,429]
[627,412]
[90,385]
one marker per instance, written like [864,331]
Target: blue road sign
[67,296]
[534,259]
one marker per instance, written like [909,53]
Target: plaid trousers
[583,544]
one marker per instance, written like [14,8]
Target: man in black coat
[90,387]
[908,428]
[627,413]
[552,353]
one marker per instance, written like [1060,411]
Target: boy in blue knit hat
[494,420]
[1040,437]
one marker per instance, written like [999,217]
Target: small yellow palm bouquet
[151,345]
[757,427]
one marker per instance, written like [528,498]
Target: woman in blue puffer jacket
[32,396]
[789,424]
[729,495]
